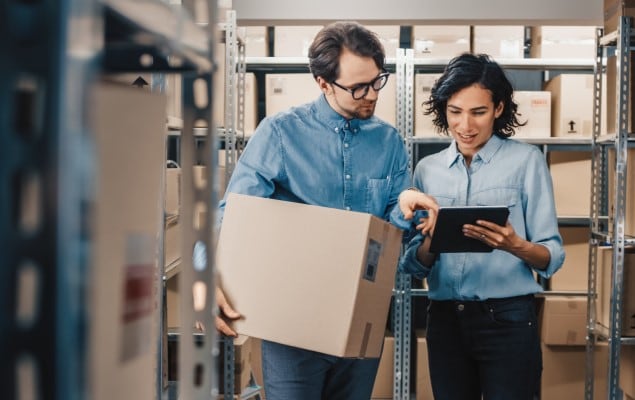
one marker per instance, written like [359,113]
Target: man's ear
[325,87]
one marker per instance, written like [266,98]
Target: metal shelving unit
[601,217]
[57,50]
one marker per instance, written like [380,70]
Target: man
[332,152]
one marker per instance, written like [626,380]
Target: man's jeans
[296,374]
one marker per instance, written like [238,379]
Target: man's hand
[411,200]
[226,314]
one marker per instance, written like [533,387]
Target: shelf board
[156,29]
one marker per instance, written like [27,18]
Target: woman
[482,330]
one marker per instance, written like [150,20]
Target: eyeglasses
[360,91]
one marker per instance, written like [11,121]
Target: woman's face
[471,114]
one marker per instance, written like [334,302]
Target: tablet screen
[448,232]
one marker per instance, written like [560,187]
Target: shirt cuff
[409,264]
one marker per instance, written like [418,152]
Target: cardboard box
[172,242]
[629,204]
[334,281]
[386,107]
[256,41]
[564,372]
[423,386]
[440,41]
[124,282]
[424,126]
[172,191]
[564,320]
[571,105]
[605,289]
[627,370]
[385,379]
[294,41]
[499,41]
[571,176]
[173,310]
[563,42]
[287,90]
[388,36]
[613,10]
[256,365]
[250,109]
[574,274]
[534,107]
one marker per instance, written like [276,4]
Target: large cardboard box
[318,278]
[256,41]
[563,42]
[124,281]
[294,41]
[423,386]
[563,320]
[574,274]
[386,107]
[629,203]
[385,379]
[424,126]
[534,107]
[614,9]
[440,41]
[499,41]
[571,176]
[564,372]
[605,289]
[571,105]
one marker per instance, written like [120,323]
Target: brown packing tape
[365,339]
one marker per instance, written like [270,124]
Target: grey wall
[421,12]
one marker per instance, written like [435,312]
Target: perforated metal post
[48,51]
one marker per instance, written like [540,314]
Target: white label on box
[372,260]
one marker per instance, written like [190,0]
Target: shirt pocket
[443,200]
[377,196]
[509,197]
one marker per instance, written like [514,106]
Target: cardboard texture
[613,10]
[129,128]
[534,107]
[571,105]
[440,41]
[499,41]
[256,41]
[564,372]
[288,90]
[571,176]
[294,41]
[629,203]
[574,274]
[563,321]
[330,272]
[424,126]
[423,386]
[605,289]
[576,42]
[385,378]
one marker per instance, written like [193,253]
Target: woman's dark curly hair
[324,52]
[464,71]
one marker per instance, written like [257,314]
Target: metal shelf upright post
[49,52]
[610,230]
[402,302]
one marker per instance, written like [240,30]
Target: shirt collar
[485,153]
[330,117]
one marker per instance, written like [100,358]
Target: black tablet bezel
[448,232]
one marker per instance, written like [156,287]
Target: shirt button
[348,177]
[346,145]
[348,209]
[460,307]
[337,129]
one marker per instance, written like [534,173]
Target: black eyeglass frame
[366,86]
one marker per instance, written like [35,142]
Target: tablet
[448,232]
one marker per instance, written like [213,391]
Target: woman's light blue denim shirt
[504,172]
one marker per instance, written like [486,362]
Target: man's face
[354,71]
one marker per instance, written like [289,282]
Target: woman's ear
[499,109]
